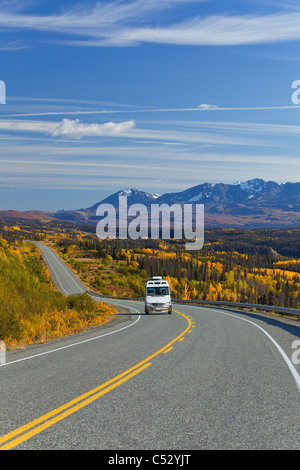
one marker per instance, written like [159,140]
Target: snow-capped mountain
[134,196]
[253,203]
[209,193]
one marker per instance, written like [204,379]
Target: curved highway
[201,378]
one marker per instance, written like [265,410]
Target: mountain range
[252,204]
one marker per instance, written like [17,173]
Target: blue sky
[159,95]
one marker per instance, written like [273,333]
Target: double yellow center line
[23,433]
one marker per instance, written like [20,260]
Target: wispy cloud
[13,45]
[94,20]
[216,30]
[200,108]
[187,133]
[40,169]
[74,129]
[128,23]
[68,128]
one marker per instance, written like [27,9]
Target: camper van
[157,296]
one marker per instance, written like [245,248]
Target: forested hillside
[259,266]
[31,309]
[252,266]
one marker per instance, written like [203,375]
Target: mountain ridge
[254,203]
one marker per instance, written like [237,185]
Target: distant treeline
[254,266]
[248,241]
[236,265]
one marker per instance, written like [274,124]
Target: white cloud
[207,106]
[76,129]
[68,128]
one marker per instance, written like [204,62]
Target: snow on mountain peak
[126,192]
[255,185]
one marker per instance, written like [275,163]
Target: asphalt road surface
[201,378]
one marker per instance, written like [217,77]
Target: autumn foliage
[260,266]
[31,309]
[229,268]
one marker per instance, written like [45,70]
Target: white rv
[158,296]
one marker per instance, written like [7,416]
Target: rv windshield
[156,291]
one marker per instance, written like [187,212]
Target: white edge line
[75,344]
[289,363]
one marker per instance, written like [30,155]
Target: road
[201,378]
